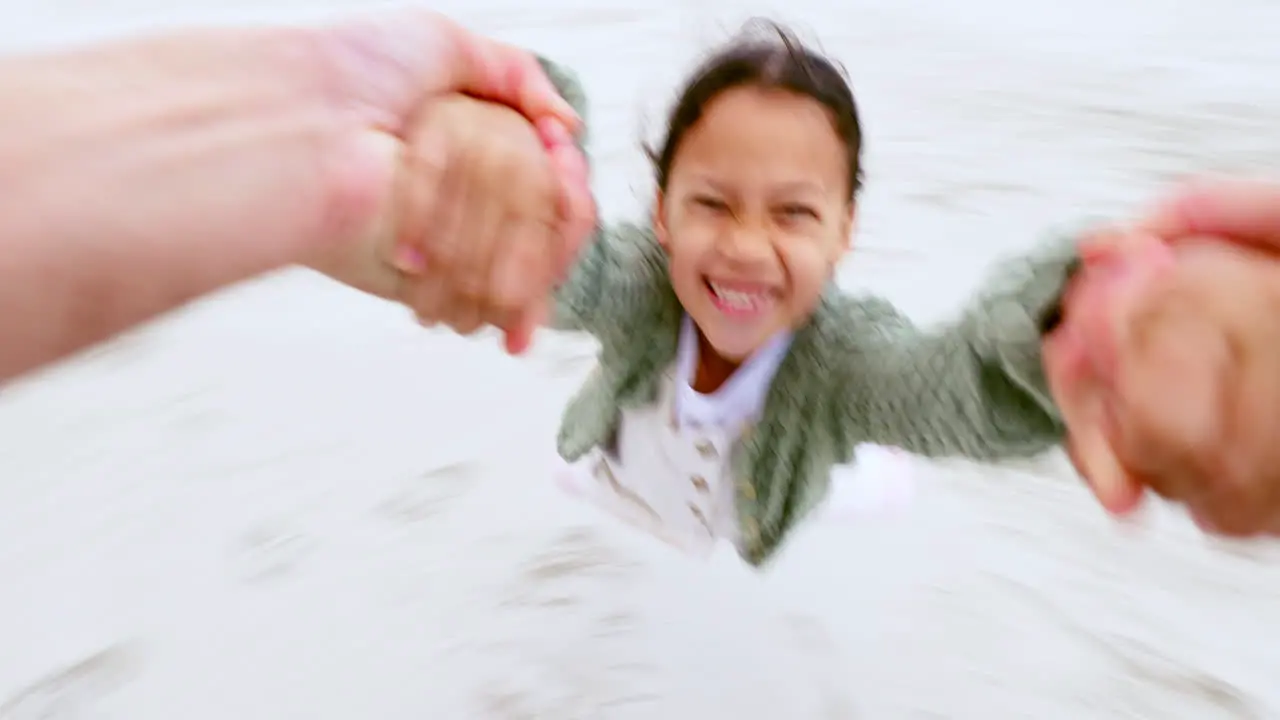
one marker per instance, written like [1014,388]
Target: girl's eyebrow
[801,186]
[788,186]
[709,182]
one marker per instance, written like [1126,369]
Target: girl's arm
[974,387]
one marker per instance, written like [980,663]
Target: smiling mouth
[739,300]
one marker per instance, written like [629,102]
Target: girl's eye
[798,212]
[711,203]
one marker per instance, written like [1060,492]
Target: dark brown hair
[768,55]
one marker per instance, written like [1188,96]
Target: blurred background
[290,501]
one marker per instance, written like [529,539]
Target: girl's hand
[491,216]
[487,215]
[377,77]
[1081,354]
[509,208]
[579,208]
[426,183]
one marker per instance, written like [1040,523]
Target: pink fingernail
[408,259]
[567,109]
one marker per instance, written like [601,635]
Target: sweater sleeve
[974,387]
[617,263]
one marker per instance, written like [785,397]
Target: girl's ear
[848,223]
[659,219]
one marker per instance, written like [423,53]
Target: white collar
[741,398]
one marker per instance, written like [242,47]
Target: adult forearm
[139,175]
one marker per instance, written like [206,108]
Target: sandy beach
[289,501]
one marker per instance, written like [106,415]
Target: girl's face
[755,215]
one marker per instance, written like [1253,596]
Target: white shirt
[740,400]
[671,475]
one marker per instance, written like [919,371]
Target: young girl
[733,375]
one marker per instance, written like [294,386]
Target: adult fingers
[385,65]
[577,207]
[519,81]
[1117,249]
[1167,398]
[1239,290]
[1237,210]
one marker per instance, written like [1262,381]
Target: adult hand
[255,148]
[434,195]
[1170,364]
[1238,211]
[1235,276]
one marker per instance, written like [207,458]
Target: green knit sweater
[858,371]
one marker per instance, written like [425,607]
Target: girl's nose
[747,242]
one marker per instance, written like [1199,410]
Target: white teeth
[739,300]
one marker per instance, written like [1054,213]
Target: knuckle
[427,316]
[473,286]
[466,324]
[514,293]
[506,298]
[1234,478]
[438,254]
[451,315]
[1233,525]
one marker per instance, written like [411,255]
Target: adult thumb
[1241,211]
